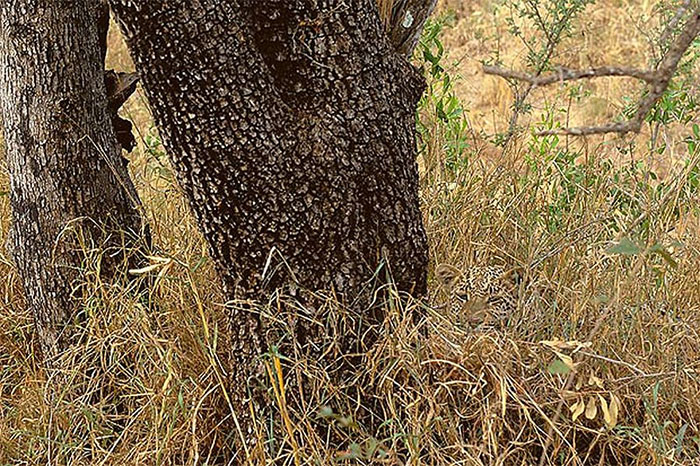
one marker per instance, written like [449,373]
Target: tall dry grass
[147,381]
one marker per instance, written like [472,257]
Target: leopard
[483,296]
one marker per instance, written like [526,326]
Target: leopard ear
[447,274]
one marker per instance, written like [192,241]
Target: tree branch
[404,21]
[566,74]
[658,79]
[673,24]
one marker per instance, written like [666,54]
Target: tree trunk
[291,126]
[66,174]
[405,21]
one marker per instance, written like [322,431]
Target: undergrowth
[598,366]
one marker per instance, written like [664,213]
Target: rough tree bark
[291,127]
[405,20]
[64,164]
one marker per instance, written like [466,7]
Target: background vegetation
[598,366]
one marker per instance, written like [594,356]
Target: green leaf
[202,260]
[626,247]
[601,299]
[347,422]
[679,440]
[372,447]
[325,412]
[354,452]
[181,399]
[558,367]
[661,250]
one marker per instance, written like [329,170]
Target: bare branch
[553,39]
[658,79]
[631,126]
[673,24]
[565,74]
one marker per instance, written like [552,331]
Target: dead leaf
[593,380]
[144,270]
[566,360]
[164,260]
[614,409]
[610,421]
[160,262]
[591,408]
[566,345]
[577,409]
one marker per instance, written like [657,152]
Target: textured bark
[64,164]
[406,23]
[291,126]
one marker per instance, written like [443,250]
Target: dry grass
[147,385]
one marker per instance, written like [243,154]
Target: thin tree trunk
[66,173]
